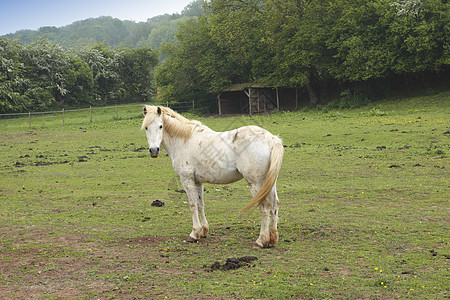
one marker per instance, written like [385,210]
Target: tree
[135,69]
[12,79]
[164,32]
[238,30]
[42,74]
[275,42]
[45,64]
[104,63]
[193,9]
[374,39]
[295,33]
[195,64]
[419,34]
[79,82]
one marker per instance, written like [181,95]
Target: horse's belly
[218,175]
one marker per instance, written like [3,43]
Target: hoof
[257,245]
[205,230]
[273,238]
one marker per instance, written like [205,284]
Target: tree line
[93,61]
[323,46]
[330,48]
[112,31]
[43,74]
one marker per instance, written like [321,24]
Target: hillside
[112,31]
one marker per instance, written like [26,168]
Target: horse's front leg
[201,211]
[195,195]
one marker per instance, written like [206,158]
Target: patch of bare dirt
[37,263]
[142,241]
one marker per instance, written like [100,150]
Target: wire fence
[199,106]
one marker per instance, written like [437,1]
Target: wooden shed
[254,98]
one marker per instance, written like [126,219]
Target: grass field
[364,209]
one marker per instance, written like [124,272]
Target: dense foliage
[306,43]
[95,60]
[43,74]
[342,49]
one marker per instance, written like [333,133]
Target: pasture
[364,210]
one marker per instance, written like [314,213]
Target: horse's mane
[173,123]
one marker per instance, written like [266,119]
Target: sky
[31,14]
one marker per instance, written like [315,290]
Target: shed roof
[242,86]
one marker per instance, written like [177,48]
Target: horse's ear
[159,111]
[144,110]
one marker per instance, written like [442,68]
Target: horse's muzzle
[154,152]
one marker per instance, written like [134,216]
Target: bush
[349,99]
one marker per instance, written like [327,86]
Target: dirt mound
[231,264]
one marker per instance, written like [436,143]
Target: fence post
[117,113]
[250,101]
[29,120]
[63,115]
[90,112]
[278,99]
[193,105]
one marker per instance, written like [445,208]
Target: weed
[374,112]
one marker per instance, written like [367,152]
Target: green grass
[364,199]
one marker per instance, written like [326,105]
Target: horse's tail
[276,157]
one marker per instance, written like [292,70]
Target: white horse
[200,155]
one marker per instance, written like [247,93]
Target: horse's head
[153,128]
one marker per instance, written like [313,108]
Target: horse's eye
[146,128]
[160,126]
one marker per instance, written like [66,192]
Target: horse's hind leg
[268,236]
[263,240]
[274,202]
[195,195]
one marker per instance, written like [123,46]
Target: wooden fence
[191,106]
